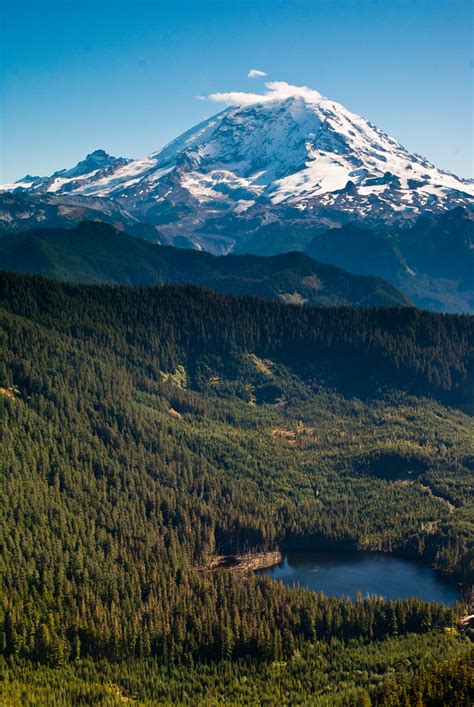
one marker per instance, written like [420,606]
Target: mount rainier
[288,159]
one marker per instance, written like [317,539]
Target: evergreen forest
[146,431]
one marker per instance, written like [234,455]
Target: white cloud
[236,98]
[256,74]
[275,90]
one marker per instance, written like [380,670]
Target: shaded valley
[95,252]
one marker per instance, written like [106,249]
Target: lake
[346,574]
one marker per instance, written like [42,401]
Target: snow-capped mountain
[95,166]
[288,156]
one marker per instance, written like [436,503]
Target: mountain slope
[95,166]
[24,210]
[96,252]
[289,155]
[433,261]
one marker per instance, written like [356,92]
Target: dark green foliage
[95,252]
[394,464]
[145,430]
[361,350]
[429,669]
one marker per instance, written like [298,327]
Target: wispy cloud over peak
[275,90]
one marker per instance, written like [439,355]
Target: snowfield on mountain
[288,155]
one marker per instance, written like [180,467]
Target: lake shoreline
[248,562]
[258,562]
[364,572]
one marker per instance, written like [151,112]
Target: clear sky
[123,75]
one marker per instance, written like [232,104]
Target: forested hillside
[432,262]
[95,252]
[146,430]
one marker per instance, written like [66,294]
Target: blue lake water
[347,574]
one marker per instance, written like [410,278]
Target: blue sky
[123,76]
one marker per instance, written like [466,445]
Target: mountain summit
[96,165]
[286,156]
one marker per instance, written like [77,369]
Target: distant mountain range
[433,261]
[95,252]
